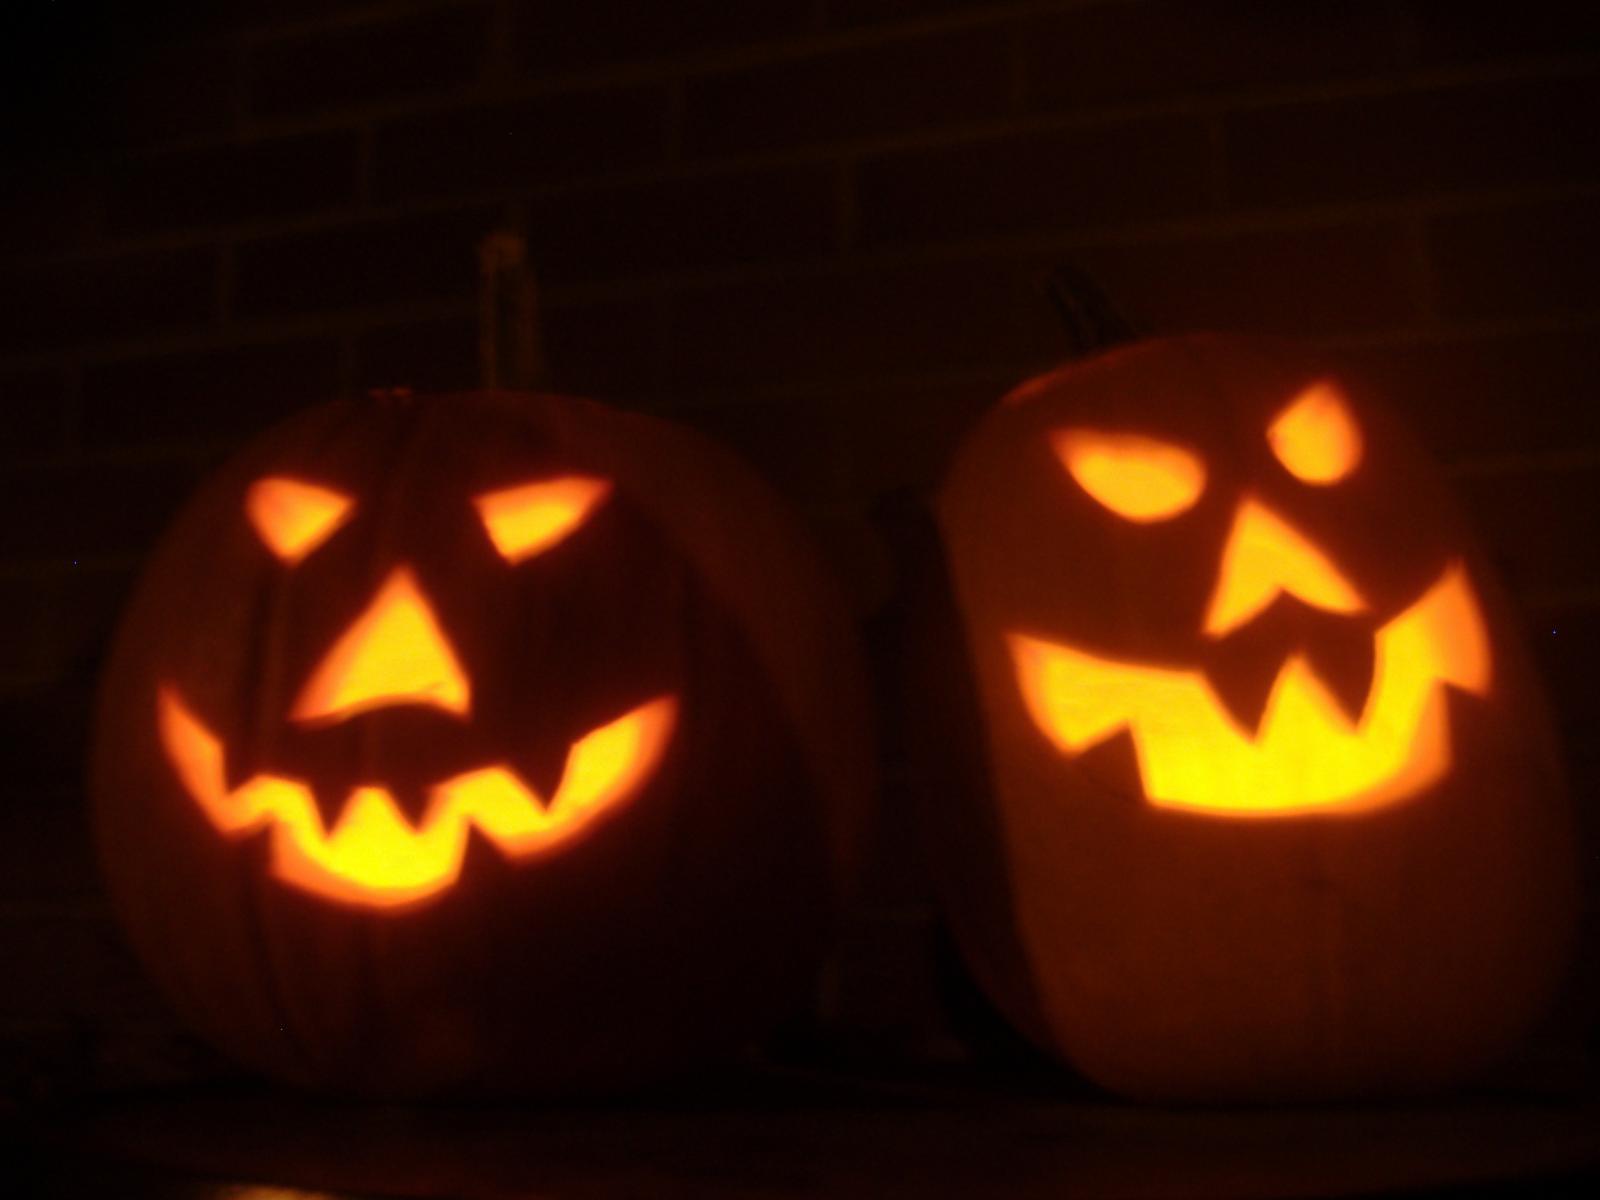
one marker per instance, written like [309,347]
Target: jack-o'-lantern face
[396,653]
[1243,788]
[479,743]
[1280,645]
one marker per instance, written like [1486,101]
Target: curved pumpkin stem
[1092,322]
[509,353]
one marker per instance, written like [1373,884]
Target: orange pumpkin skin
[1176,951]
[666,931]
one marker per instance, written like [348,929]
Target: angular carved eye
[528,519]
[1136,477]
[1316,438]
[294,518]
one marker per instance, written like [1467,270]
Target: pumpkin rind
[1190,955]
[665,933]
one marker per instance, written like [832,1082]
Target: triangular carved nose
[393,653]
[1265,555]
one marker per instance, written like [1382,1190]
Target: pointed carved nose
[1265,555]
[393,653]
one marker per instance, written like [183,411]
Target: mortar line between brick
[1018,91]
[815,36]
[227,284]
[1217,162]
[349,365]
[496,65]
[674,116]
[847,206]
[1423,278]
[384,13]
[366,169]
[1225,102]
[1244,219]
[1549,462]
[1549,601]
[72,408]
[356,321]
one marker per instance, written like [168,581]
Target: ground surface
[804,1137]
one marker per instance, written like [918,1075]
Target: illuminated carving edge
[1316,437]
[293,517]
[395,650]
[1193,757]
[530,518]
[374,857]
[1265,555]
[1141,479]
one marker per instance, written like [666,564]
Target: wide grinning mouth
[373,856]
[1307,756]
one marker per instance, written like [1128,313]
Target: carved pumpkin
[481,741]
[1267,804]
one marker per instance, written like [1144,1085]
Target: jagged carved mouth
[373,856]
[1307,756]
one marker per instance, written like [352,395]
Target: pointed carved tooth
[373,856]
[1309,753]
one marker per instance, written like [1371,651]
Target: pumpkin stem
[509,353]
[1092,322]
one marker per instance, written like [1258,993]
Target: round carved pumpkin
[1262,801]
[486,741]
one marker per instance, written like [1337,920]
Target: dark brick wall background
[813,228]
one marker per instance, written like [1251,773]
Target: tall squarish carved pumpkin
[1266,804]
[487,741]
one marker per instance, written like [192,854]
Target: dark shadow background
[815,229]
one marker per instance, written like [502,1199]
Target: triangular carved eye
[528,519]
[1315,437]
[1139,478]
[294,518]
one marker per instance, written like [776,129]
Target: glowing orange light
[294,518]
[1316,438]
[373,856]
[1265,555]
[394,653]
[1136,477]
[528,519]
[1307,756]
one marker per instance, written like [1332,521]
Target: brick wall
[813,228]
